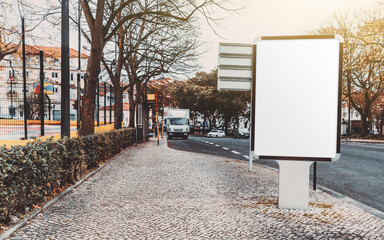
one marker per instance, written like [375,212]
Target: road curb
[358,204]
[46,206]
[354,140]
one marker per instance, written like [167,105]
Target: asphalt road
[358,174]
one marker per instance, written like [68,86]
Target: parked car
[5,116]
[241,133]
[216,133]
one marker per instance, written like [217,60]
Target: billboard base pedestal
[294,184]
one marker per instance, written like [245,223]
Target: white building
[11,92]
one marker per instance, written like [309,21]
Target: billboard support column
[294,184]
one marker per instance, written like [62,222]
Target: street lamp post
[381,122]
[78,113]
[65,124]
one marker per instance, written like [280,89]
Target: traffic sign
[235,66]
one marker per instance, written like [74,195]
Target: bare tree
[363,64]
[104,20]
[157,50]
[9,33]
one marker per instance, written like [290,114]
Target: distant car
[216,133]
[5,116]
[241,133]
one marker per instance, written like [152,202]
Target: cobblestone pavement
[153,192]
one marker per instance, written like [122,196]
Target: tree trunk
[364,126]
[118,106]
[131,107]
[131,115]
[90,84]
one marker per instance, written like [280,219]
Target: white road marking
[211,143]
[216,145]
[235,152]
[247,157]
[225,148]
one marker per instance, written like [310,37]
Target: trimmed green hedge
[29,174]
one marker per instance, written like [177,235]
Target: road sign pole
[251,123]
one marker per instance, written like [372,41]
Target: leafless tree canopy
[363,61]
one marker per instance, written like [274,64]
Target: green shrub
[31,173]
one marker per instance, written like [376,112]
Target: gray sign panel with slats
[235,66]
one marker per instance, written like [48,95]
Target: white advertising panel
[297,97]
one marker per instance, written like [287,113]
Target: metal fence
[15,124]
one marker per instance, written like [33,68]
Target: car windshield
[178,121]
[214,131]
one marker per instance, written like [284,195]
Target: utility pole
[110,104]
[78,69]
[65,126]
[24,82]
[157,124]
[41,93]
[105,103]
[98,103]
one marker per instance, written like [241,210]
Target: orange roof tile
[51,51]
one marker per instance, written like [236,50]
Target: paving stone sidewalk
[153,192]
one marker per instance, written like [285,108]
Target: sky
[273,17]
[260,18]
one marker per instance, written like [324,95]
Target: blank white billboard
[297,99]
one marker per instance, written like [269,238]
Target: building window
[71,77]
[72,94]
[55,75]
